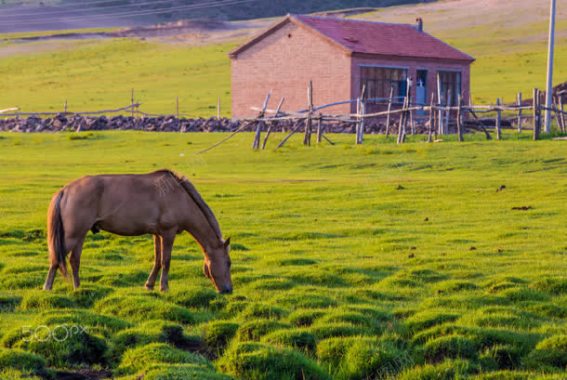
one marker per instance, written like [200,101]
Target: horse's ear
[227,242]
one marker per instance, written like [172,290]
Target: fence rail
[434,118]
[400,115]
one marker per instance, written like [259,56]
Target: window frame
[384,81]
[442,91]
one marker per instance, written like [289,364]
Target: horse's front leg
[157,263]
[166,247]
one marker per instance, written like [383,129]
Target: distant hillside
[28,15]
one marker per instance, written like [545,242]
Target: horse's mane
[196,197]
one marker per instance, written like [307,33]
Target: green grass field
[349,262]
[95,75]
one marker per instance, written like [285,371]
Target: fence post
[319,131]
[132,103]
[271,122]
[431,118]
[411,119]
[440,110]
[257,134]
[357,124]
[498,119]
[308,124]
[361,121]
[536,114]
[459,119]
[390,100]
[558,114]
[448,111]
[403,121]
[519,102]
[562,112]
[405,115]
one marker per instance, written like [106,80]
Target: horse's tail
[56,235]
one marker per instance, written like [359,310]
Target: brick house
[341,56]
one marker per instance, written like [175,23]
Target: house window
[379,80]
[449,81]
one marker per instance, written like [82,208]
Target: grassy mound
[449,347]
[299,339]
[217,335]
[23,280]
[304,298]
[88,294]
[263,310]
[305,317]
[256,361]
[257,328]
[554,286]
[501,356]
[195,297]
[8,303]
[38,299]
[19,360]
[14,374]
[549,354]
[362,358]
[448,370]
[355,318]
[144,357]
[323,331]
[154,332]
[429,318]
[182,372]
[62,345]
[103,324]
[143,308]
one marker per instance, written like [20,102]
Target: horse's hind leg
[75,261]
[166,247]
[157,263]
[50,277]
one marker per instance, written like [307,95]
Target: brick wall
[284,62]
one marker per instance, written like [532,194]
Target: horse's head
[217,267]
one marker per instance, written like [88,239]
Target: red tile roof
[368,37]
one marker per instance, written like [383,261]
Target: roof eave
[234,53]
[297,21]
[463,60]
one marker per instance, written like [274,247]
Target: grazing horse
[159,203]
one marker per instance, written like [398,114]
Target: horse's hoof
[148,287]
[164,289]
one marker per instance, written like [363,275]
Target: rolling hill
[18,16]
[507,39]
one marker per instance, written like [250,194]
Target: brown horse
[160,203]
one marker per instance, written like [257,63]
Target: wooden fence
[402,117]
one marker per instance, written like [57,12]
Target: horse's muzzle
[226,290]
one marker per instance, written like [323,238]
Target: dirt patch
[84,374]
[190,32]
